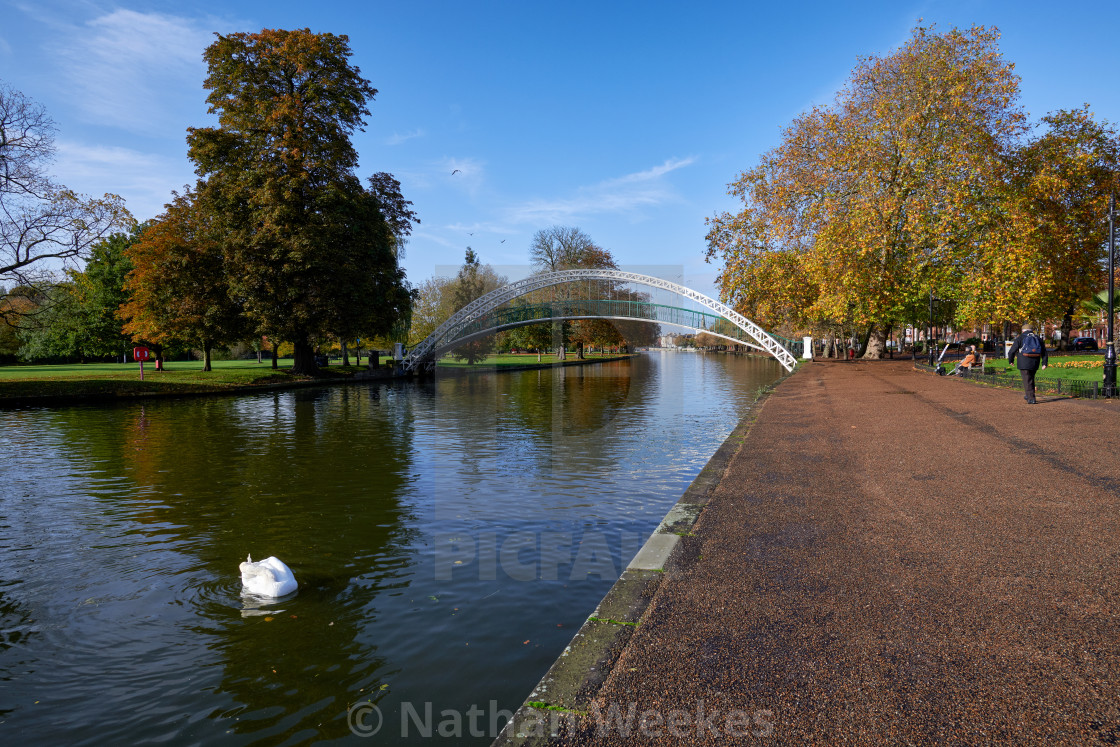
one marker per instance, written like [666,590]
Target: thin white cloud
[481,228]
[144,180]
[136,71]
[654,173]
[467,168]
[422,235]
[398,138]
[625,194]
[467,174]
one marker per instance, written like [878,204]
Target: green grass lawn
[1059,367]
[178,369]
[520,359]
[107,380]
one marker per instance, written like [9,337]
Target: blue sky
[626,119]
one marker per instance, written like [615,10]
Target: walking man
[1031,352]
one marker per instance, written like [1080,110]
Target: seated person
[969,360]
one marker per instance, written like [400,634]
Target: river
[448,537]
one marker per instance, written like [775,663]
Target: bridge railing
[795,347]
[604,308]
[476,318]
[701,321]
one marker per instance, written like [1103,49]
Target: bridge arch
[447,334]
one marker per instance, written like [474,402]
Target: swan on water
[268,577]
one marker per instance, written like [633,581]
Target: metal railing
[451,332]
[508,317]
[1012,380]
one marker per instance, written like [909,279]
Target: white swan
[268,577]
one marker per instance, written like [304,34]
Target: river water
[448,537]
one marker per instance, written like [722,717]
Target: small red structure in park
[141,354]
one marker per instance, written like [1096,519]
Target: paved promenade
[891,558]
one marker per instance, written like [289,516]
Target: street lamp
[1110,345]
[929,335]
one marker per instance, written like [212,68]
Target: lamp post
[1110,344]
[929,335]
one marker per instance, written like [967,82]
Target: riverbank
[59,385]
[104,384]
[561,696]
[889,558]
[525,364]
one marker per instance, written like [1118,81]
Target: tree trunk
[345,353]
[579,351]
[275,356]
[538,355]
[875,343]
[303,358]
[206,355]
[1067,328]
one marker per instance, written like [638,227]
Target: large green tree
[53,327]
[78,318]
[310,251]
[102,289]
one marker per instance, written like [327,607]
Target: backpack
[1031,347]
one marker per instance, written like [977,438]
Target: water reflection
[448,538]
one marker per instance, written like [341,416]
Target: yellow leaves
[906,184]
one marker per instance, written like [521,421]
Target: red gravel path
[891,558]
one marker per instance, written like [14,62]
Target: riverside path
[890,558]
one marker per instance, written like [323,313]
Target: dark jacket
[1025,363]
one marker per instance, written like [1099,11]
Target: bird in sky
[502,241]
[456,171]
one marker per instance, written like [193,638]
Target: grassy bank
[108,381]
[117,380]
[521,359]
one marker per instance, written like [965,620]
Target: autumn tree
[560,248]
[44,227]
[1051,251]
[9,336]
[565,248]
[430,308]
[309,250]
[179,286]
[893,192]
